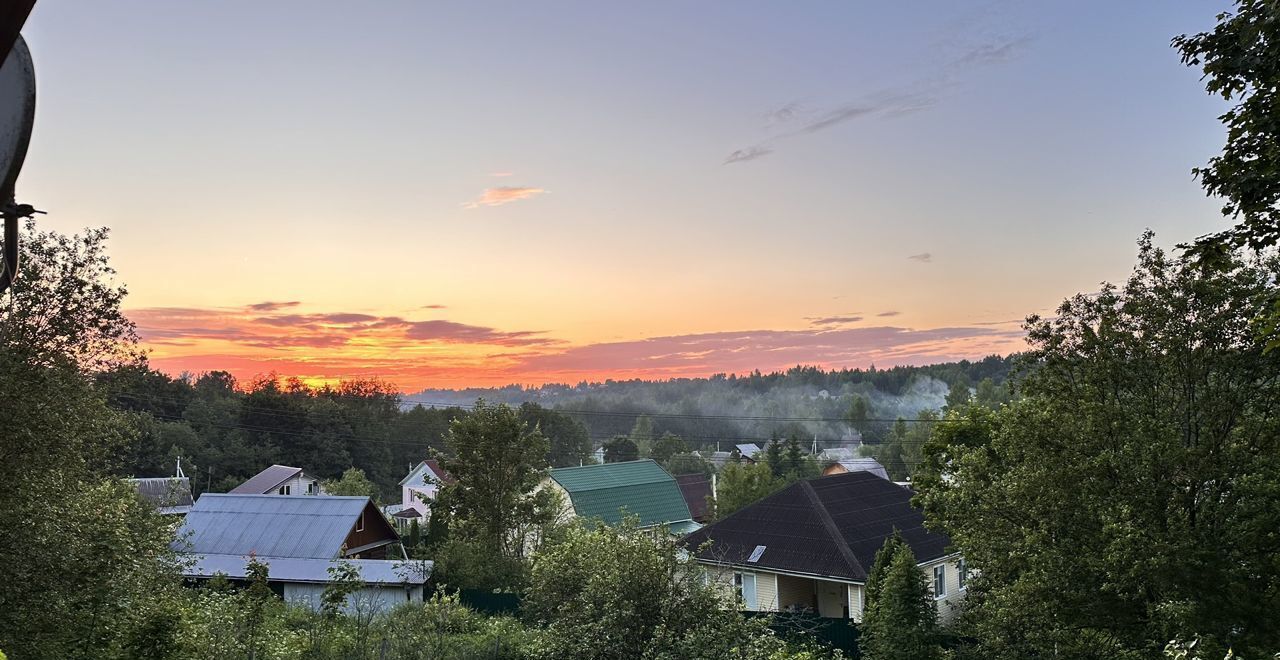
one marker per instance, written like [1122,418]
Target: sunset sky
[445,195]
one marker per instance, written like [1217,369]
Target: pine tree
[795,456]
[415,534]
[900,622]
[773,456]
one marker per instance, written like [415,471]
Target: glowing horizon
[454,195]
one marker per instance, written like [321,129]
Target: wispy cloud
[993,51]
[272,306]
[503,195]
[253,326]
[750,153]
[889,313]
[792,119]
[923,257]
[433,307]
[833,320]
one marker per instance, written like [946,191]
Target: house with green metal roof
[613,491]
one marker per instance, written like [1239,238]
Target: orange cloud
[503,195]
[417,354]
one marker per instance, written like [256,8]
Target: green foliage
[642,435]
[741,484]
[86,568]
[1240,58]
[959,396]
[353,482]
[1128,496]
[569,442]
[773,458]
[415,534]
[621,593]
[901,621]
[688,464]
[858,414]
[344,581]
[620,449]
[495,516]
[667,446]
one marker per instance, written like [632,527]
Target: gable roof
[748,450]
[310,526]
[166,494]
[610,491]
[695,488]
[266,480]
[830,526]
[434,466]
[864,465]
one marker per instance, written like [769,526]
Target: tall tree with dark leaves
[1127,498]
[493,507]
[1240,58]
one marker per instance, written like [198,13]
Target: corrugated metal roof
[610,491]
[313,526]
[748,450]
[865,465]
[266,480]
[831,526]
[292,569]
[168,494]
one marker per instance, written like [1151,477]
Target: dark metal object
[12,17]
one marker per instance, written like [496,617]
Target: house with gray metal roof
[861,464]
[299,537]
[612,491]
[298,526]
[280,480]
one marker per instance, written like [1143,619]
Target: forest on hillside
[225,431]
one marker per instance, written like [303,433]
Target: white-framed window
[940,581]
[962,572]
[284,490]
[745,583]
[311,488]
[360,523]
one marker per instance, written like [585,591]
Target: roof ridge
[830,524]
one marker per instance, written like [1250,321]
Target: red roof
[440,472]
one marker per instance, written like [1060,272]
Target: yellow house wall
[949,605]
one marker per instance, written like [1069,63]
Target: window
[746,586]
[940,581]
[284,490]
[962,572]
[360,523]
[311,488]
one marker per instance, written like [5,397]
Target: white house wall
[298,486]
[372,598]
